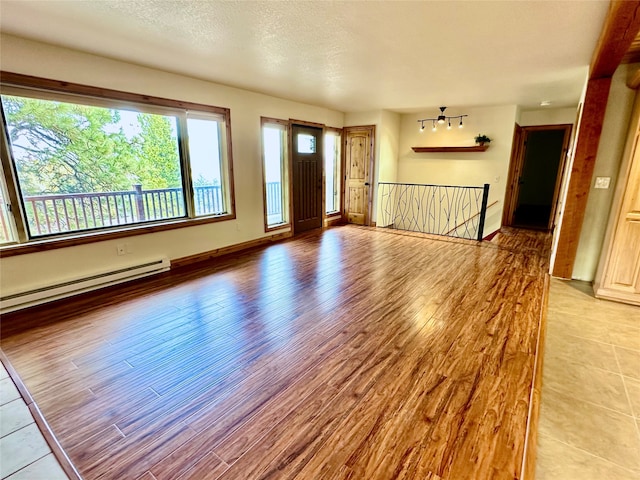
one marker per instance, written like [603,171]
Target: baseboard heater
[48,293]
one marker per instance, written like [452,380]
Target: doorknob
[366,184]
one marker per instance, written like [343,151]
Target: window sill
[34,246]
[279,226]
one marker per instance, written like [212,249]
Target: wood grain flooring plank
[335,371]
[210,467]
[376,439]
[258,462]
[125,462]
[259,388]
[95,444]
[76,425]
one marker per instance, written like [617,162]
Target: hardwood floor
[351,353]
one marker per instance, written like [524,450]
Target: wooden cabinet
[618,276]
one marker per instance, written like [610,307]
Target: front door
[358,169]
[307,177]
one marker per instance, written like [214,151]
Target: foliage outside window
[332,171]
[274,164]
[82,164]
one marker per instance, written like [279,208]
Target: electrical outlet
[120,248]
[602,182]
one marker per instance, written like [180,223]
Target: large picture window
[274,165]
[81,163]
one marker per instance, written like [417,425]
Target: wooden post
[584,162]
[483,210]
[139,202]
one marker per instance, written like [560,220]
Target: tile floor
[590,410]
[24,453]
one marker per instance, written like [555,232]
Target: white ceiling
[349,56]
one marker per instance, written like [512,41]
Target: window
[81,164]
[206,152]
[332,171]
[274,165]
[306,143]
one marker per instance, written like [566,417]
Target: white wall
[32,58]
[387,138]
[389,134]
[608,160]
[469,169]
[548,116]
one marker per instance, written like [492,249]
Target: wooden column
[618,32]
[595,104]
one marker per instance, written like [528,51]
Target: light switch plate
[602,182]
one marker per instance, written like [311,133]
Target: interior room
[319,240]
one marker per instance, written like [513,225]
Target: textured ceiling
[350,56]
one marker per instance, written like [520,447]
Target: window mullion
[185,165]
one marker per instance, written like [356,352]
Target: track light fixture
[441,120]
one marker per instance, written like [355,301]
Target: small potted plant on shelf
[481,139]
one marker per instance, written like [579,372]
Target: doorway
[358,164]
[535,175]
[306,160]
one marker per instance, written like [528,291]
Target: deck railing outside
[449,210]
[274,198]
[58,213]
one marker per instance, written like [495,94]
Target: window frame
[286,184]
[46,89]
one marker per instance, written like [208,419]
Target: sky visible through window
[272,138]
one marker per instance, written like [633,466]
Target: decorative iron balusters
[453,211]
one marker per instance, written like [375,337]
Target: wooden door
[515,167]
[619,278]
[359,143]
[306,159]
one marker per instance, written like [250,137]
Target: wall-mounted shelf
[475,148]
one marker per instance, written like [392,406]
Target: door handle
[366,184]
